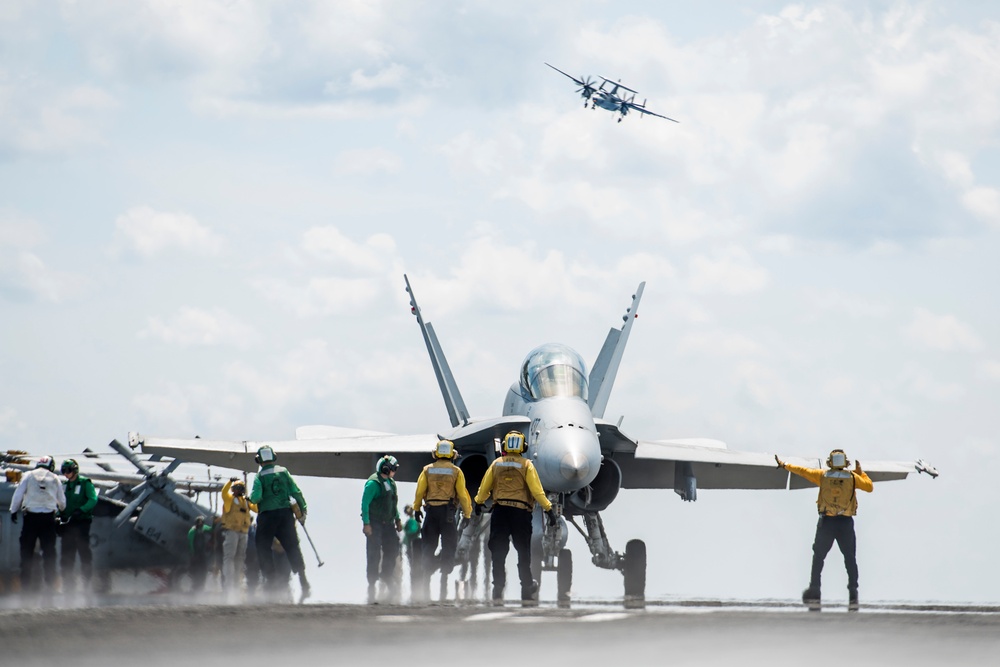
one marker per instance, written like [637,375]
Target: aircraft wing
[640,109]
[335,452]
[665,464]
[575,80]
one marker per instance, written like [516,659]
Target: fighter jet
[583,460]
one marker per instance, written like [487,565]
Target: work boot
[529,594]
[852,602]
[372,599]
[811,598]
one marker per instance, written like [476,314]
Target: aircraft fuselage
[562,440]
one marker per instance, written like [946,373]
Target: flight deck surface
[676,632]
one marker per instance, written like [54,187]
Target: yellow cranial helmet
[513,443]
[837,460]
[445,449]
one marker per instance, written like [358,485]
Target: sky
[206,212]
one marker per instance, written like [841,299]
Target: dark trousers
[278,524]
[198,571]
[74,541]
[415,556]
[839,529]
[439,523]
[38,527]
[382,550]
[510,524]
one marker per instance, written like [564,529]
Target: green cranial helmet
[68,466]
[386,464]
[265,455]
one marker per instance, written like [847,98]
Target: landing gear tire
[564,577]
[635,574]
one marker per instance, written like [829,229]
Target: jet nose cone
[574,466]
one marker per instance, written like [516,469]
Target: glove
[463,525]
[302,518]
[398,525]
[553,517]
[13,517]
[857,466]
[781,464]
[419,516]
[234,479]
[479,510]
[367,530]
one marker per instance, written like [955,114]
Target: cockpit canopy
[554,370]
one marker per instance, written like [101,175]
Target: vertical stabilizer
[457,412]
[602,375]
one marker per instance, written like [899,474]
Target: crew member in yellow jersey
[441,485]
[514,484]
[236,519]
[837,504]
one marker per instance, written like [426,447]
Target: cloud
[329,245]
[148,232]
[9,422]
[919,382]
[194,326]
[320,295]
[367,162]
[990,369]
[941,332]
[729,270]
[719,343]
[40,117]
[24,274]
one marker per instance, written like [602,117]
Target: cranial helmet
[445,449]
[265,455]
[68,466]
[837,460]
[386,464]
[46,462]
[513,443]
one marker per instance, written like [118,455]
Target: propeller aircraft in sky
[610,99]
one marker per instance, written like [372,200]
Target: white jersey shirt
[39,491]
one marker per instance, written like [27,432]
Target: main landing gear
[556,557]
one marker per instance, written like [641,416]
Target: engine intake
[601,492]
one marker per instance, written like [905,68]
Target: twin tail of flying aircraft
[583,460]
